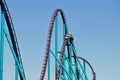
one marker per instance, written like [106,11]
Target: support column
[16,72]
[63,62]
[1,45]
[49,66]
[84,69]
[94,76]
[70,61]
[56,45]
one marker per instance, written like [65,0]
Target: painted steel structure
[68,65]
[10,35]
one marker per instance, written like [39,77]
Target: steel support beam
[1,45]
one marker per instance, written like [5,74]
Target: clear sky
[95,25]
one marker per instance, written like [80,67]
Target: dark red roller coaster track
[48,43]
[13,37]
[62,49]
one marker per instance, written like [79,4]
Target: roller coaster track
[76,73]
[4,8]
[49,40]
[68,42]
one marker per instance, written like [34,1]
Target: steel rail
[49,39]
[12,33]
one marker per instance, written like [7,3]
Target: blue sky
[95,25]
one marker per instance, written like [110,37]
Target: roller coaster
[68,65]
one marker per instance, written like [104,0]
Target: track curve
[49,39]
[12,33]
[93,72]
